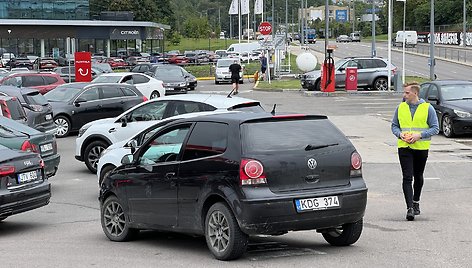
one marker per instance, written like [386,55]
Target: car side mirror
[133,145]
[78,101]
[341,69]
[433,98]
[127,159]
[124,121]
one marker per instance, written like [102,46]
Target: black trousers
[413,163]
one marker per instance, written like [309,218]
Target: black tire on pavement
[92,154]
[63,126]
[155,94]
[318,85]
[345,235]
[446,127]
[115,221]
[224,238]
[216,82]
[105,172]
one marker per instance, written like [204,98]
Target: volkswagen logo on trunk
[312,163]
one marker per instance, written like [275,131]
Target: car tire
[92,154]
[154,95]
[115,221]
[380,84]
[446,126]
[318,85]
[63,126]
[105,172]
[191,88]
[216,82]
[345,235]
[224,238]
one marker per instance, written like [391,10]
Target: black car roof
[449,82]
[241,117]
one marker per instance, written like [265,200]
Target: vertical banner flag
[244,7]
[258,6]
[233,8]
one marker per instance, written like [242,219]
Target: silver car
[222,73]
[371,73]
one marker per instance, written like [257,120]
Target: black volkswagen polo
[232,175]
[23,184]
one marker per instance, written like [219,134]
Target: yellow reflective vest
[417,124]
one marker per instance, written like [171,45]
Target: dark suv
[371,73]
[232,175]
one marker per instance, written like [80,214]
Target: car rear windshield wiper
[310,147]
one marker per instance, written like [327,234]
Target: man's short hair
[413,85]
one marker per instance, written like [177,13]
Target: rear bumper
[24,200]
[51,164]
[278,215]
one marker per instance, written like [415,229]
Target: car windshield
[224,63]
[107,79]
[456,92]
[168,73]
[62,93]
[339,63]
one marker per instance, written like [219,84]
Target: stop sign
[265,28]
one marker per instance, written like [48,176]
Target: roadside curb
[350,93]
[213,78]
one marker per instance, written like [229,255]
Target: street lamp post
[431,43]
[464,25]
[374,53]
[404,39]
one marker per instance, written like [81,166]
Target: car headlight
[462,114]
[182,84]
[82,130]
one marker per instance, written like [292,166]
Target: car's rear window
[286,135]
[35,98]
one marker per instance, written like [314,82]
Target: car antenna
[273,109]
[231,92]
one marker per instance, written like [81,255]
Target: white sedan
[150,87]
[96,136]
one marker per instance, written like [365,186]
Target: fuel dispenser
[328,73]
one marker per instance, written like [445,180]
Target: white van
[411,38]
[355,37]
[243,47]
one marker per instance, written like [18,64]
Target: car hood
[463,105]
[100,121]
[314,73]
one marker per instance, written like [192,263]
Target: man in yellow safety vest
[414,122]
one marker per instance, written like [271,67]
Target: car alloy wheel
[63,126]
[380,84]
[447,126]
[115,222]
[224,238]
[92,154]
[155,95]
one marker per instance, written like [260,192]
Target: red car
[44,64]
[43,82]
[178,59]
[116,63]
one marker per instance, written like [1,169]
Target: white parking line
[432,178]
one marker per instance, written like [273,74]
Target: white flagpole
[248,13]
[262,10]
[239,20]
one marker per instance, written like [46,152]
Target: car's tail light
[5,110]
[6,170]
[144,98]
[27,146]
[251,172]
[356,164]
[41,163]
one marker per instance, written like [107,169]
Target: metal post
[464,25]
[273,22]
[374,53]
[353,16]
[389,26]
[431,45]
[302,26]
[403,52]
[326,27]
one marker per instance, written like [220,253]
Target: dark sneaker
[416,208]
[410,214]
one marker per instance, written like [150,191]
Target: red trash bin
[351,78]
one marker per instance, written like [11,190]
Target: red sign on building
[83,66]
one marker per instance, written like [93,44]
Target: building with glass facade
[40,27]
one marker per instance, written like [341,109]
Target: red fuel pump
[327,73]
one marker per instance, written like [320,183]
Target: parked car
[173,78]
[43,64]
[343,38]
[133,60]
[19,136]
[150,87]
[355,37]
[24,184]
[20,62]
[43,81]
[191,79]
[76,104]
[143,67]
[178,59]
[95,136]
[371,73]
[452,101]
[11,108]
[68,73]
[6,57]
[222,73]
[37,108]
[229,176]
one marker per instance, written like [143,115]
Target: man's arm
[432,123]
[396,125]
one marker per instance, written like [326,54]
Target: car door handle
[112,130]
[170,175]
